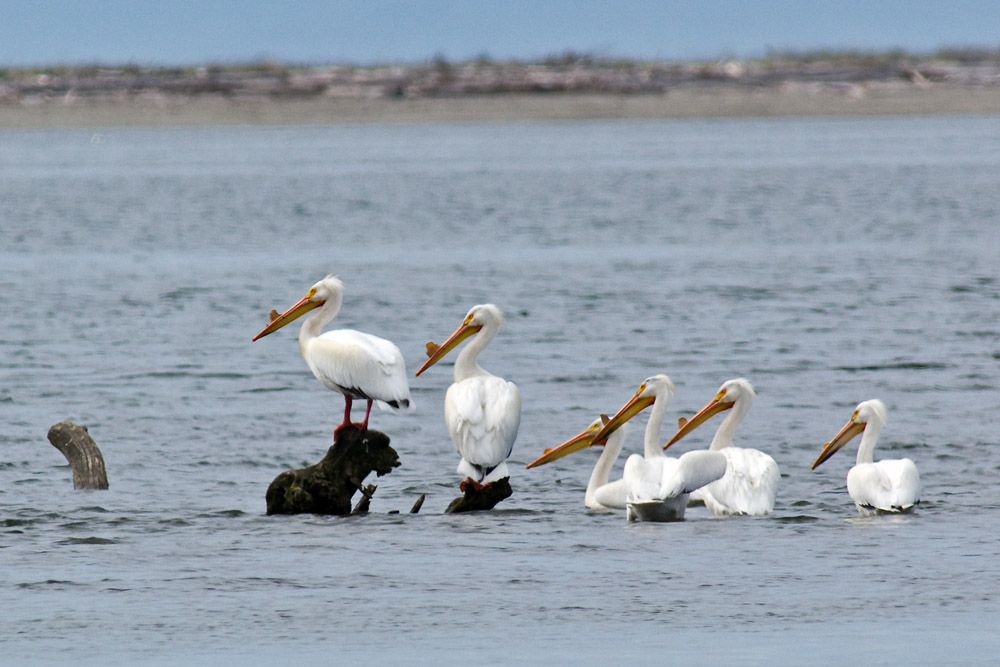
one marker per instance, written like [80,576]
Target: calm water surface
[829,261]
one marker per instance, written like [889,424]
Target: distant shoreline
[717,102]
[571,88]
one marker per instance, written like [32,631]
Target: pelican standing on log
[482,411]
[600,494]
[751,480]
[886,486]
[356,364]
[657,486]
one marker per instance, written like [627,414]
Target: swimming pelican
[889,485]
[601,494]
[481,410]
[356,364]
[657,486]
[751,480]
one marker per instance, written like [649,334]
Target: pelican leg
[347,415]
[364,425]
[469,483]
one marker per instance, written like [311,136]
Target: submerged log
[82,453]
[417,505]
[480,497]
[327,487]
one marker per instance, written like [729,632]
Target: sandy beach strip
[791,99]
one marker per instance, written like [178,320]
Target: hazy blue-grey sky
[38,32]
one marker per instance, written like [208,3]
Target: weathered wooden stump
[483,497]
[328,486]
[82,453]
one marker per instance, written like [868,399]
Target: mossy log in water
[328,486]
[480,497]
[82,453]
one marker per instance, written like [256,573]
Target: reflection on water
[829,261]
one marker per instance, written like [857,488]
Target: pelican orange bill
[461,333]
[713,408]
[851,429]
[579,441]
[634,406]
[290,315]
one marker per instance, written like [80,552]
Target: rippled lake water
[829,261]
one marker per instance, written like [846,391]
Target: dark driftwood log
[366,499]
[417,505]
[82,453]
[484,498]
[327,487]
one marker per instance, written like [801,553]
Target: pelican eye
[311,293]
[854,417]
[642,388]
[722,392]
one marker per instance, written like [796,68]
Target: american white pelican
[751,480]
[601,494]
[657,486]
[889,485]
[481,410]
[356,364]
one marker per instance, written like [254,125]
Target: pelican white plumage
[482,411]
[657,486]
[751,480]
[356,364]
[886,486]
[600,494]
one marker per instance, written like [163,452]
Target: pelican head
[867,412]
[482,316]
[729,393]
[651,388]
[328,289]
[578,442]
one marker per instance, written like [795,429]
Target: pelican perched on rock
[889,485]
[481,410]
[600,494]
[358,365]
[751,480]
[657,486]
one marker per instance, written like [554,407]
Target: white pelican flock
[657,486]
[483,414]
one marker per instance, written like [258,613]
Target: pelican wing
[749,485]
[483,414]
[891,485]
[360,364]
[698,468]
[662,477]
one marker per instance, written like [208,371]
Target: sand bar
[790,100]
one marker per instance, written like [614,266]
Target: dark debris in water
[182,293]
[15,523]
[797,518]
[901,366]
[263,390]
[47,583]
[233,513]
[181,523]
[88,540]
